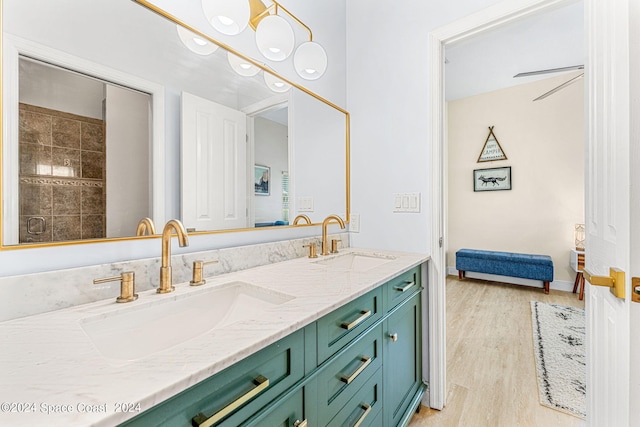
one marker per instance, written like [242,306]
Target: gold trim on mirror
[263,67]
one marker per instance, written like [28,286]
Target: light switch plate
[354,222]
[406,202]
[305,204]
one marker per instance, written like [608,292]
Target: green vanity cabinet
[358,365]
[402,356]
[236,393]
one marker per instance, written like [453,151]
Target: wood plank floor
[491,379]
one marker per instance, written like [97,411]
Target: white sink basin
[138,331]
[356,261]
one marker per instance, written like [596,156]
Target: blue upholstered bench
[525,266]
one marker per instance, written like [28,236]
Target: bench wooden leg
[461,274]
[546,287]
[576,283]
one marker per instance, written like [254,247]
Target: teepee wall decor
[491,150]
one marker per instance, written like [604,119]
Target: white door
[214,165]
[608,215]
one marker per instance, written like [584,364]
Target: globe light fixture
[242,66]
[274,38]
[230,17]
[276,84]
[310,60]
[195,43]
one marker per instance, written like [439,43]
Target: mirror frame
[153,8]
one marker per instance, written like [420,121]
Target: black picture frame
[492,179]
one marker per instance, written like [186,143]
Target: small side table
[576,261]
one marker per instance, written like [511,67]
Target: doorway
[439,39]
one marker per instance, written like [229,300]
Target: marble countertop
[53,374]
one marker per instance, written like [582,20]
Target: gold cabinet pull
[393,337]
[406,287]
[362,318]
[348,379]
[201,420]
[299,423]
[367,409]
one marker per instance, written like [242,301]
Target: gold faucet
[302,217]
[165,270]
[145,225]
[325,223]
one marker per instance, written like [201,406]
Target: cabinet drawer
[364,407]
[338,328]
[236,393]
[347,372]
[402,287]
[284,413]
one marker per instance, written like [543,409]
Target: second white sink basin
[138,331]
[356,261]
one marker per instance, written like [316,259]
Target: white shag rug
[559,347]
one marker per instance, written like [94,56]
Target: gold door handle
[299,423]
[615,281]
[362,318]
[635,292]
[406,287]
[201,420]
[348,379]
[367,409]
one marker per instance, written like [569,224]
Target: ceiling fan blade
[550,70]
[557,88]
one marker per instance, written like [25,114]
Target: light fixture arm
[259,11]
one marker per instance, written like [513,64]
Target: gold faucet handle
[312,250]
[334,245]
[127,285]
[198,270]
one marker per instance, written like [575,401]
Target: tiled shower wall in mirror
[62,176]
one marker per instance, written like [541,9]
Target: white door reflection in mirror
[214,165]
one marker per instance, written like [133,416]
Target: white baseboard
[558,285]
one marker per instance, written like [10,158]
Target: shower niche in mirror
[152,162]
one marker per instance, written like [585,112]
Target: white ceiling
[489,61]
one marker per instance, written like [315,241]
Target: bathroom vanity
[330,341]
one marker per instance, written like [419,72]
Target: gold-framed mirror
[58,176]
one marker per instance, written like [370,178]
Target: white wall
[544,145]
[272,150]
[388,101]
